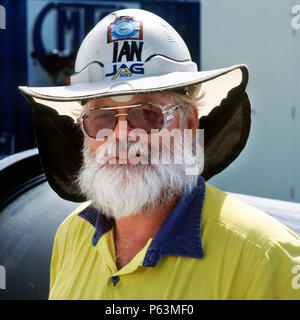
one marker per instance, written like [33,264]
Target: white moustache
[126,152]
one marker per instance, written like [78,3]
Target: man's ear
[192,118]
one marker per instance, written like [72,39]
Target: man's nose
[122,128]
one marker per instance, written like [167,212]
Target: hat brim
[225,119]
[118,87]
[66,99]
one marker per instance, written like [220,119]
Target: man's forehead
[160,97]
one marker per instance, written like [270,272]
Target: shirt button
[115,279]
[150,257]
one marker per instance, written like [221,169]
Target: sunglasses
[146,116]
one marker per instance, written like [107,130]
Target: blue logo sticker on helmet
[123,70]
[125,28]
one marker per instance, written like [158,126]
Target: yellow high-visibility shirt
[211,246]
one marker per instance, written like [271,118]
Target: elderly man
[151,227]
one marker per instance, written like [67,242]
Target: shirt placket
[116,279]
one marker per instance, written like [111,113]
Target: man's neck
[132,233]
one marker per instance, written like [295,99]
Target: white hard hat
[131,44]
[133,51]
[130,51]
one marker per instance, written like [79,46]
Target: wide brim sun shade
[225,117]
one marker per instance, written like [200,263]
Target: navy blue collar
[179,235]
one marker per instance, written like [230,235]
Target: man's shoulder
[243,221]
[73,223]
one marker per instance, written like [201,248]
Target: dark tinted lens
[98,119]
[146,117]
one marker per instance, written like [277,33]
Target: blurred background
[266,36]
[38,44]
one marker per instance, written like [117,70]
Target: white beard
[122,190]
